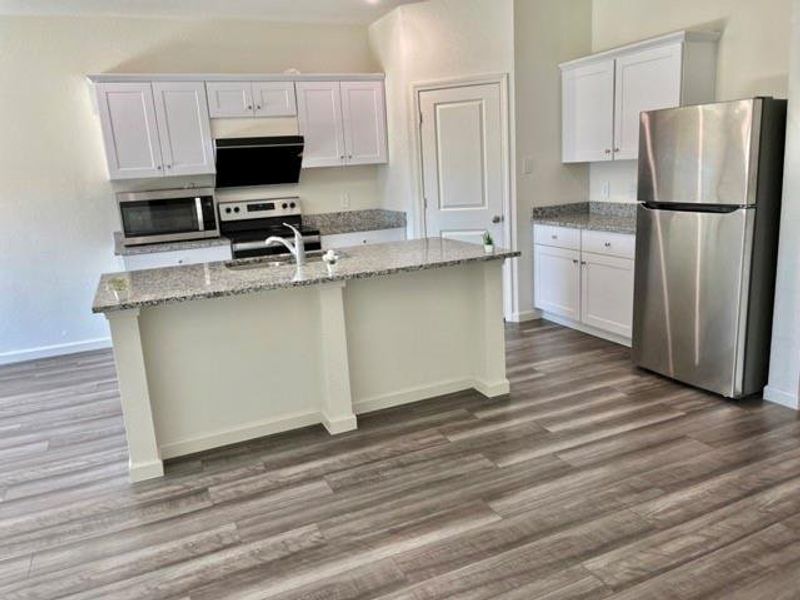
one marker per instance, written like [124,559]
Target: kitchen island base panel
[219,371]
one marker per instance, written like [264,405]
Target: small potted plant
[488,243]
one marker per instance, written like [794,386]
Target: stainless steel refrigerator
[710,180]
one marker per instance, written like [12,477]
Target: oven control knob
[236,210]
[292,205]
[228,210]
[285,206]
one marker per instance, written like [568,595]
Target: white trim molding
[781,397]
[18,356]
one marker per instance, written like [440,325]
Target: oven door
[152,218]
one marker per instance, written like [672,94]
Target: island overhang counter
[214,354]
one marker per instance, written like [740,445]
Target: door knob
[497,219]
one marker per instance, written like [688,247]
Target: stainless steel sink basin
[266,262]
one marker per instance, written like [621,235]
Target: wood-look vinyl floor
[592,480]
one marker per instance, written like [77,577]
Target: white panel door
[364,113]
[184,128]
[557,281]
[230,99]
[646,80]
[274,99]
[588,112]
[319,113]
[462,162]
[130,134]
[607,293]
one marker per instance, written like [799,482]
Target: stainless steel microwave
[168,216]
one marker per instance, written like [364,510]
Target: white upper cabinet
[230,99]
[319,111]
[153,130]
[183,128]
[274,99]
[646,80]
[588,107]
[243,99]
[364,114]
[128,117]
[604,94]
[344,123]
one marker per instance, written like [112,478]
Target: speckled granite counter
[154,287]
[352,221]
[372,219]
[596,216]
[121,250]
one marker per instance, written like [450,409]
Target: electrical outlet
[345,200]
[605,192]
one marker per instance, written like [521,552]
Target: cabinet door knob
[497,219]
[607,244]
[169,166]
[555,237]
[608,150]
[574,261]
[258,107]
[158,167]
[616,149]
[583,262]
[249,107]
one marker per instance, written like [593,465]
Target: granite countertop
[595,216]
[154,287]
[122,250]
[352,221]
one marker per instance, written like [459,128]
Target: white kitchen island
[209,355]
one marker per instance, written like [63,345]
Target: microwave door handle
[198,206]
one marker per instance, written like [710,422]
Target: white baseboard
[337,426]
[777,396]
[144,471]
[17,356]
[240,434]
[605,335]
[414,394]
[493,389]
[525,316]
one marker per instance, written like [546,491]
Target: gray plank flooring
[591,480]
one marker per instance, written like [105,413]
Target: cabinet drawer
[610,244]
[559,237]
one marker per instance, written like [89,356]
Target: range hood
[258,161]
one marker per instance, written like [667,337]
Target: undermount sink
[264,262]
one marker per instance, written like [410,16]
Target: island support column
[337,410]
[144,456]
[490,379]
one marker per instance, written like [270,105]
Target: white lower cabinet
[360,238]
[607,293]
[192,256]
[585,278]
[558,281]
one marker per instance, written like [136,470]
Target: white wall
[753,54]
[57,205]
[784,373]
[433,41]
[546,33]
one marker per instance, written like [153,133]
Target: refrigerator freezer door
[705,154]
[692,270]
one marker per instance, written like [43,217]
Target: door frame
[509,208]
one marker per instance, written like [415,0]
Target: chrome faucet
[298,250]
